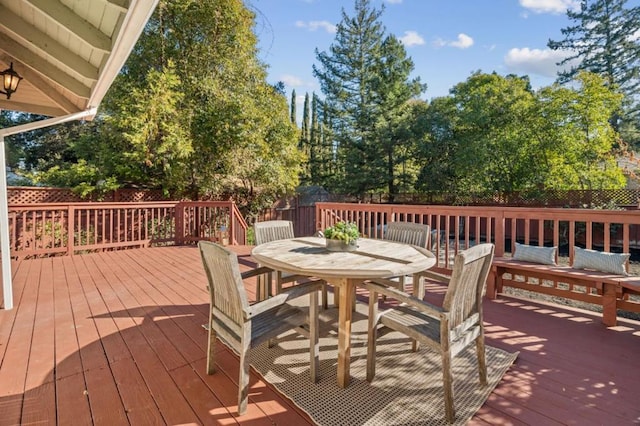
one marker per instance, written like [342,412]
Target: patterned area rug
[407,389]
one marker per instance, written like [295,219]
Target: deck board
[71,400]
[116,338]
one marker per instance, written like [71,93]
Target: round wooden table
[344,270]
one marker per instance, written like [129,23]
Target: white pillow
[535,254]
[603,261]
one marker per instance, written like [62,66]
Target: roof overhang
[67,51]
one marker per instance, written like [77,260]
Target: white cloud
[291,80]
[412,38]
[393,1]
[462,42]
[550,6]
[295,82]
[535,61]
[315,25]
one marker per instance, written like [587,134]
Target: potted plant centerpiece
[343,236]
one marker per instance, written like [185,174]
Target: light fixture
[10,81]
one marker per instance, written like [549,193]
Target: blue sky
[447,39]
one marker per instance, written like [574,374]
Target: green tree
[394,90]
[604,40]
[306,117]
[153,127]
[364,78]
[305,142]
[293,107]
[494,132]
[321,154]
[438,149]
[576,136]
[192,113]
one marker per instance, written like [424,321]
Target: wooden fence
[588,198]
[18,195]
[69,229]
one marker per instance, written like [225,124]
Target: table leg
[419,292]
[346,294]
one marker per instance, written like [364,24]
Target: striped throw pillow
[535,254]
[603,261]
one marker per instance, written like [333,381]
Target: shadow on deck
[116,338]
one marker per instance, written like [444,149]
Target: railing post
[231,234]
[71,224]
[178,212]
[499,233]
[319,218]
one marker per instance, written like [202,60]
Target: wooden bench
[611,291]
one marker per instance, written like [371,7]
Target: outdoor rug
[407,389]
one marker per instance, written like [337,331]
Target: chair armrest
[258,271]
[435,276]
[300,290]
[282,298]
[402,297]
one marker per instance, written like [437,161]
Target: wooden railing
[74,228]
[456,228]
[209,220]
[68,229]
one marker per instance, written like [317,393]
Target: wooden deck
[116,338]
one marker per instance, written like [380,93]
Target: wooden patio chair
[447,329]
[274,230]
[242,326]
[415,234]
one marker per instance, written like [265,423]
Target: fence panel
[456,228]
[67,229]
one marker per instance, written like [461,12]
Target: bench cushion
[535,254]
[600,261]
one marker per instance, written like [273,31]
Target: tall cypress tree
[305,143]
[293,107]
[315,165]
[305,120]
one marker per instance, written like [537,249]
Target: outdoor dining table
[372,259]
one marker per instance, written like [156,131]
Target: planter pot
[339,245]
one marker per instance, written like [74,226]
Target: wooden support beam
[19,30]
[123,5]
[73,23]
[33,109]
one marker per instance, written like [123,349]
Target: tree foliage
[365,80]
[191,113]
[577,137]
[604,40]
[495,135]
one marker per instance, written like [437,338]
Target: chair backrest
[408,233]
[226,288]
[464,293]
[272,230]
